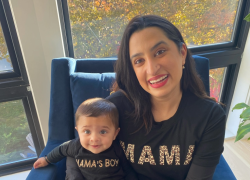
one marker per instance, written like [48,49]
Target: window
[97,26]
[21,138]
[5,62]
[212,28]
[16,142]
[216,77]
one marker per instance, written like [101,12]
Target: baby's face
[96,133]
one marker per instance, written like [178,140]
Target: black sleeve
[200,173]
[210,146]
[66,149]
[128,170]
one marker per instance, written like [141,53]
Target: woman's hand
[41,162]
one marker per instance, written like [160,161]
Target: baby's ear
[116,132]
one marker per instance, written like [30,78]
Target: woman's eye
[87,131]
[138,61]
[103,132]
[160,52]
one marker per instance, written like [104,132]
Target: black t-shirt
[194,135]
[109,164]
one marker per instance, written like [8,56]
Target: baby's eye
[103,132]
[87,131]
[160,52]
[138,61]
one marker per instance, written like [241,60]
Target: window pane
[216,77]
[5,63]
[97,25]
[16,141]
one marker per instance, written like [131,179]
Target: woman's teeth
[158,80]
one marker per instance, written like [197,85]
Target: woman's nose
[152,67]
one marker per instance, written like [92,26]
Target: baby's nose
[94,137]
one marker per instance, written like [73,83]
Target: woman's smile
[158,81]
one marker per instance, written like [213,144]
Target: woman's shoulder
[207,106]
[116,94]
[116,97]
[120,99]
[203,113]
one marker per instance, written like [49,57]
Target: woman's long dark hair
[127,81]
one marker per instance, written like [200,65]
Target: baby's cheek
[108,142]
[83,143]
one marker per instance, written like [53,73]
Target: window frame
[228,54]
[7,35]
[15,86]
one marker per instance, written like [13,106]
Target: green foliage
[13,131]
[245,113]
[247,18]
[242,131]
[240,106]
[245,116]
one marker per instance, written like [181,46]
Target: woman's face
[157,62]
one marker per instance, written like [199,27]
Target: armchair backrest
[75,80]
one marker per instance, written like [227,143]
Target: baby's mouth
[95,146]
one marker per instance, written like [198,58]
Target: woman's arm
[210,147]
[200,173]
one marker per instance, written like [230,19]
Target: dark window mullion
[11,82]
[64,11]
[13,92]
[33,122]
[223,61]
[17,166]
[229,85]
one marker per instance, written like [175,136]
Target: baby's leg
[72,170]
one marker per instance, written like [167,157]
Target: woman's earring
[183,67]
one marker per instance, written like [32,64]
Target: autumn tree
[3,48]
[97,25]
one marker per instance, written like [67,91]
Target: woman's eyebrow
[137,54]
[157,44]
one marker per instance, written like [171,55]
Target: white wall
[39,33]
[242,92]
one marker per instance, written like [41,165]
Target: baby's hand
[41,162]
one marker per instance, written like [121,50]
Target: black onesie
[110,164]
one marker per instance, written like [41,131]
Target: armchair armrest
[52,171]
[223,171]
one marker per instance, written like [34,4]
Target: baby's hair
[97,107]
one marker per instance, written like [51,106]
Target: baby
[97,154]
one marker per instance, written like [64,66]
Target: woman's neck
[164,108]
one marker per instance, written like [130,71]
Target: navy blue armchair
[75,80]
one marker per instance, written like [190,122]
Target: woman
[170,128]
